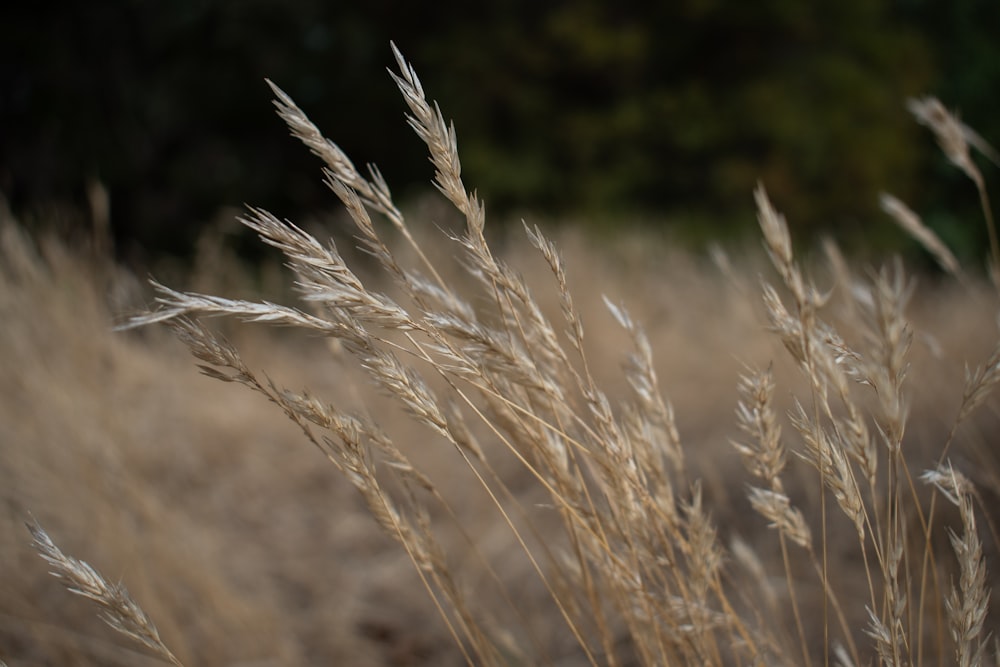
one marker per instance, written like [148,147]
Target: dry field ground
[245,545]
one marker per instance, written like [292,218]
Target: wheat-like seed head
[914,226]
[120,611]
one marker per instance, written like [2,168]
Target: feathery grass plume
[119,610]
[979,384]
[778,242]
[827,455]
[891,337]
[777,508]
[968,601]
[954,138]
[765,455]
[914,226]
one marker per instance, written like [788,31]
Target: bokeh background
[631,132]
[601,113]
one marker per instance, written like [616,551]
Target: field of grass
[557,452]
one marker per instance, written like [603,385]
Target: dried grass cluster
[617,527]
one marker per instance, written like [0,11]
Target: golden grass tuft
[556,511]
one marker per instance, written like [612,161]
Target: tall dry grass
[556,512]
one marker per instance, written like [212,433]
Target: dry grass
[120,611]
[555,509]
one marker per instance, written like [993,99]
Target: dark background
[606,113]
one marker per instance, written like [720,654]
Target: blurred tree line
[588,110]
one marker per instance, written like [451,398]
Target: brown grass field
[451,454]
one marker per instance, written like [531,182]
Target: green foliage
[686,105]
[586,109]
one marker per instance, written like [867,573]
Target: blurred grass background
[625,120]
[607,114]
